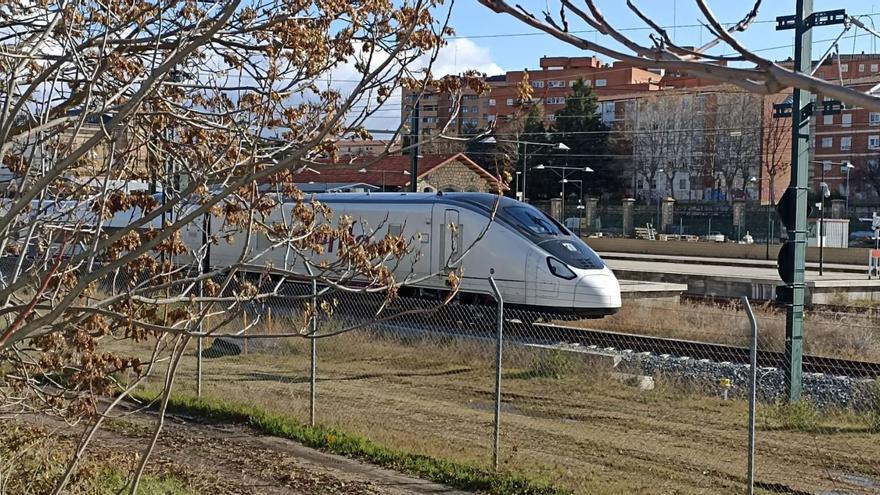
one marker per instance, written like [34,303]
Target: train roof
[484,201]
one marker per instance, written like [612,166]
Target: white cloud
[461,55]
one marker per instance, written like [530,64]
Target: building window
[557,84]
[874,118]
[844,67]
[861,67]
[826,165]
[588,83]
[846,120]
[874,68]
[490,118]
[845,143]
[872,164]
[828,119]
[682,183]
[873,142]
[510,102]
[601,83]
[537,84]
[556,100]
[464,110]
[475,110]
[572,83]
[827,142]
[491,102]
[475,122]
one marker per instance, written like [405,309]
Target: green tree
[530,156]
[580,127]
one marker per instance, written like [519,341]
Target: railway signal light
[788,214]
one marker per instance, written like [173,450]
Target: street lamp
[553,146]
[660,170]
[518,194]
[824,193]
[848,166]
[565,172]
[755,180]
[580,205]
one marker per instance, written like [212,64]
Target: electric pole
[414,145]
[793,207]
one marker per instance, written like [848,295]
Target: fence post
[313,347]
[499,322]
[753,393]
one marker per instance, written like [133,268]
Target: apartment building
[846,146]
[551,84]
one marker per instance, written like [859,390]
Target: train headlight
[559,268]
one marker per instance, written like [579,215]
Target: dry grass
[842,335]
[564,421]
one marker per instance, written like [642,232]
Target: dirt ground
[230,459]
[562,422]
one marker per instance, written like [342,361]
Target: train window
[534,221]
[395,229]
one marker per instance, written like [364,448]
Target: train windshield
[534,221]
[551,236]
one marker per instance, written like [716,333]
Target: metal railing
[664,396]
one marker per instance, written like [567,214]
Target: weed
[336,441]
[552,364]
[874,408]
[797,416]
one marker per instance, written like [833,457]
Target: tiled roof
[388,170]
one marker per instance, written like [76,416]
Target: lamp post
[580,205]
[824,192]
[518,194]
[848,166]
[554,146]
[755,180]
[565,171]
[364,171]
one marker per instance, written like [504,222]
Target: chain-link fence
[654,399]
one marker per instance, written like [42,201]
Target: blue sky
[484,38]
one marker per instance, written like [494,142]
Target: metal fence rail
[637,402]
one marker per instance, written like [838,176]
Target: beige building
[447,173]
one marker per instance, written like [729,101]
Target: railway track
[478,322]
[702,350]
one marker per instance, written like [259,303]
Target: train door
[450,237]
[540,283]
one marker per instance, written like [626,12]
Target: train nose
[598,290]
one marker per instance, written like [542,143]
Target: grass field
[564,422]
[852,335]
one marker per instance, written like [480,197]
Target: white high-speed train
[536,262]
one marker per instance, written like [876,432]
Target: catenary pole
[793,267]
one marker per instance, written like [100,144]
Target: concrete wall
[852,256]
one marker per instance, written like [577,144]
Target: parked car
[715,237]
[861,238]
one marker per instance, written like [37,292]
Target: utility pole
[793,206]
[414,145]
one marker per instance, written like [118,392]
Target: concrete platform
[701,260]
[640,289]
[758,282]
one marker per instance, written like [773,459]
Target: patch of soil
[233,459]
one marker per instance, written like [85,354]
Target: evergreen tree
[533,155]
[580,127]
